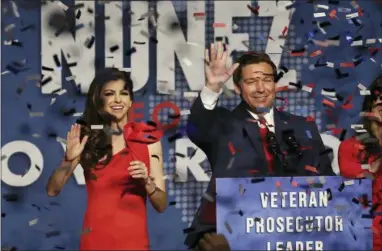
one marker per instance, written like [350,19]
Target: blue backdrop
[20,96]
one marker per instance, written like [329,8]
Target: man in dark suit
[254,139]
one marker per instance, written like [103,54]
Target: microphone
[275,149]
[291,141]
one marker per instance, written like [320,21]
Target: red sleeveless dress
[115,217]
[351,168]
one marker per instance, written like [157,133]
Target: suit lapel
[251,130]
[281,124]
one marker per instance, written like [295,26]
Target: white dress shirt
[210,98]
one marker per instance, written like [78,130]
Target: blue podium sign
[294,213]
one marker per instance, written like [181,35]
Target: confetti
[219,25]
[208,197]
[320,14]
[349,182]
[228,227]
[33,222]
[230,163]
[52,233]
[36,114]
[96,127]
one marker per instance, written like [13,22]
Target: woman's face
[116,99]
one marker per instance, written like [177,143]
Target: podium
[295,213]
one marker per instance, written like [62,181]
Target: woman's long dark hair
[371,146]
[99,141]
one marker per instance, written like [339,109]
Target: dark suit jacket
[214,130]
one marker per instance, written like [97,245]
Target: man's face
[257,86]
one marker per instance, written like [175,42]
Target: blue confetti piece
[309,134]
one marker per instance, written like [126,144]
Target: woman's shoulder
[142,132]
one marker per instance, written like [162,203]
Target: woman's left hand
[138,170]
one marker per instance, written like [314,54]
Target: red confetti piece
[219,25]
[333,13]
[315,53]
[254,10]
[199,14]
[231,148]
[360,12]
[278,184]
[296,54]
[253,171]
[294,184]
[347,65]
[347,106]
[328,103]
[311,169]
[306,147]
[284,30]
[310,119]
[336,131]
[312,85]
[282,88]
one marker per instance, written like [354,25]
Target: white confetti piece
[185,112]
[62,91]
[35,135]
[5,72]
[365,167]
[9,27]
[241,189]
[364,92]
[333,42]
[70,78]
[186,61]
[321,6]
[190,94]
[357,43]
[230,162]
[328,93]
[330,64]
[96,127]
[33,222]
[352,15]
[36,114]
[371,41]
[322,179]
[320,14]
[52,101]
[15,9]
[307,88]
[349,182]
[208,197]
[63,6]
[61,140]
[170,176]
[235,27]
[361,86]
[343,10]
[356,126]
[77,114]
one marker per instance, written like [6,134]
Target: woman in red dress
[361,156]
[122,167]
